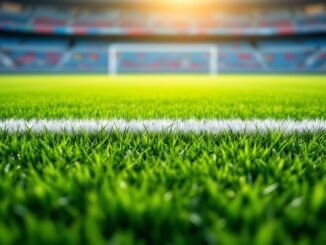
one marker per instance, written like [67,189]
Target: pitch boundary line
[163,125]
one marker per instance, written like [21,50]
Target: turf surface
[138,188]
[144,97]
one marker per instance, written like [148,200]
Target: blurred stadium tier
[35,55]
[73,37]
[71,20]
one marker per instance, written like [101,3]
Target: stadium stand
[46,38]
[87,57]
[92,57]
[71,21]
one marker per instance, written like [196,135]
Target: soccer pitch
[163,187]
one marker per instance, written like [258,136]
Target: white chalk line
[162,125]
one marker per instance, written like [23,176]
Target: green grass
[163,97]
[148,188]
[159,189]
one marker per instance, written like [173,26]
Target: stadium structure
[130,37]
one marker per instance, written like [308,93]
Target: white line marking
[163,125]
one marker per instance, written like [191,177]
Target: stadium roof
[165,1]
[171,3]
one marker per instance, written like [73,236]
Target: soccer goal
[163,58]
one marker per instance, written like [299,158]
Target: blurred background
[237,36]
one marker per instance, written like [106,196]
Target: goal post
[135,58]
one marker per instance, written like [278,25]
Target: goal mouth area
[135,58]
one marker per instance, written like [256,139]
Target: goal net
[163,58]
